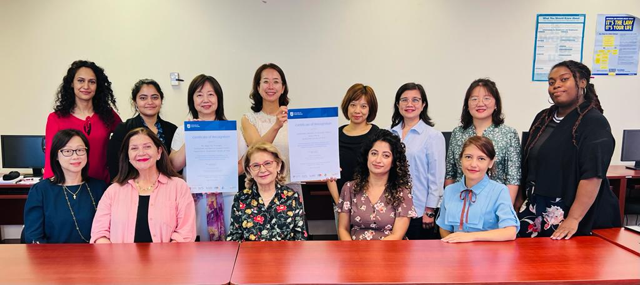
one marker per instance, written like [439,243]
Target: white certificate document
[313,143]
[212,156]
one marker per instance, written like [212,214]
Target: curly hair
[579,72]
[104,102]
[268,148]
[399,177]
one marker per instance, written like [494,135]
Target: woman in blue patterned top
[482,116]
[477,208]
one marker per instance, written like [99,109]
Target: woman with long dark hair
[378,203]
[565,161]
[85,102]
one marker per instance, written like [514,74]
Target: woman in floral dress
[378,203]
[267,210]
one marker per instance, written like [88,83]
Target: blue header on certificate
[308,113]
[210,126]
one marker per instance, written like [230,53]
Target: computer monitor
[447,138]
[23,151]
[631,147]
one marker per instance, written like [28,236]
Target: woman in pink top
[85,102]
[148,202]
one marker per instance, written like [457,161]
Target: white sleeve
[178,138]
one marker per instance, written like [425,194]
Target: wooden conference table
[540,260]
[622,237]
[618,176]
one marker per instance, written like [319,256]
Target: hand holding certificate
[313,143]
[212,156]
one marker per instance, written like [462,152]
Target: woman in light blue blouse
[477,208]
[426,155]
[482,116]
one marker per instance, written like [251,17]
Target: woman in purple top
[377,204]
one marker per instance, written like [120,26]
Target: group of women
[392,182]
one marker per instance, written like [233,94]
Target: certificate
[313,143]
[212,156]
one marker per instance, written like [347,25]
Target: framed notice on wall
[559,37]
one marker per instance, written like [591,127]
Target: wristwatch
[430,214]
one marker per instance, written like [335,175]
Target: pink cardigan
[171,212]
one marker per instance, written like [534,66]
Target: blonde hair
[268,148]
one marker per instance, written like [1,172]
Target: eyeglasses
[405,100]
[474,100]
[255,167]
[70,152]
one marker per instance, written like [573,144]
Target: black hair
[256,99]
[579,72]
[60,140]
[396,118]
[196,84]
[104,102]
[142,82]
[399,176]
[497,118]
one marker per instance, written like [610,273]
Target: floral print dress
[282,219]
[372,220]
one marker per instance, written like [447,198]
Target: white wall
[323,46]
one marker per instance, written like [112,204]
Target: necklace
[556,118]
[73,215]
[147,188]
[74,194]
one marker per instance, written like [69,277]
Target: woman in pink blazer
[148,201]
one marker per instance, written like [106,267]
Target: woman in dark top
[565,161]
[360,107]
[61,209]
[146,97]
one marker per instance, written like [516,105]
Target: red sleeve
[116,121]
[53,126]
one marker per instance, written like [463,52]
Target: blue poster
[616,46]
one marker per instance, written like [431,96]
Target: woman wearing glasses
[482,116]
[425,153]
[266,210]
[85,102]
[61,209]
